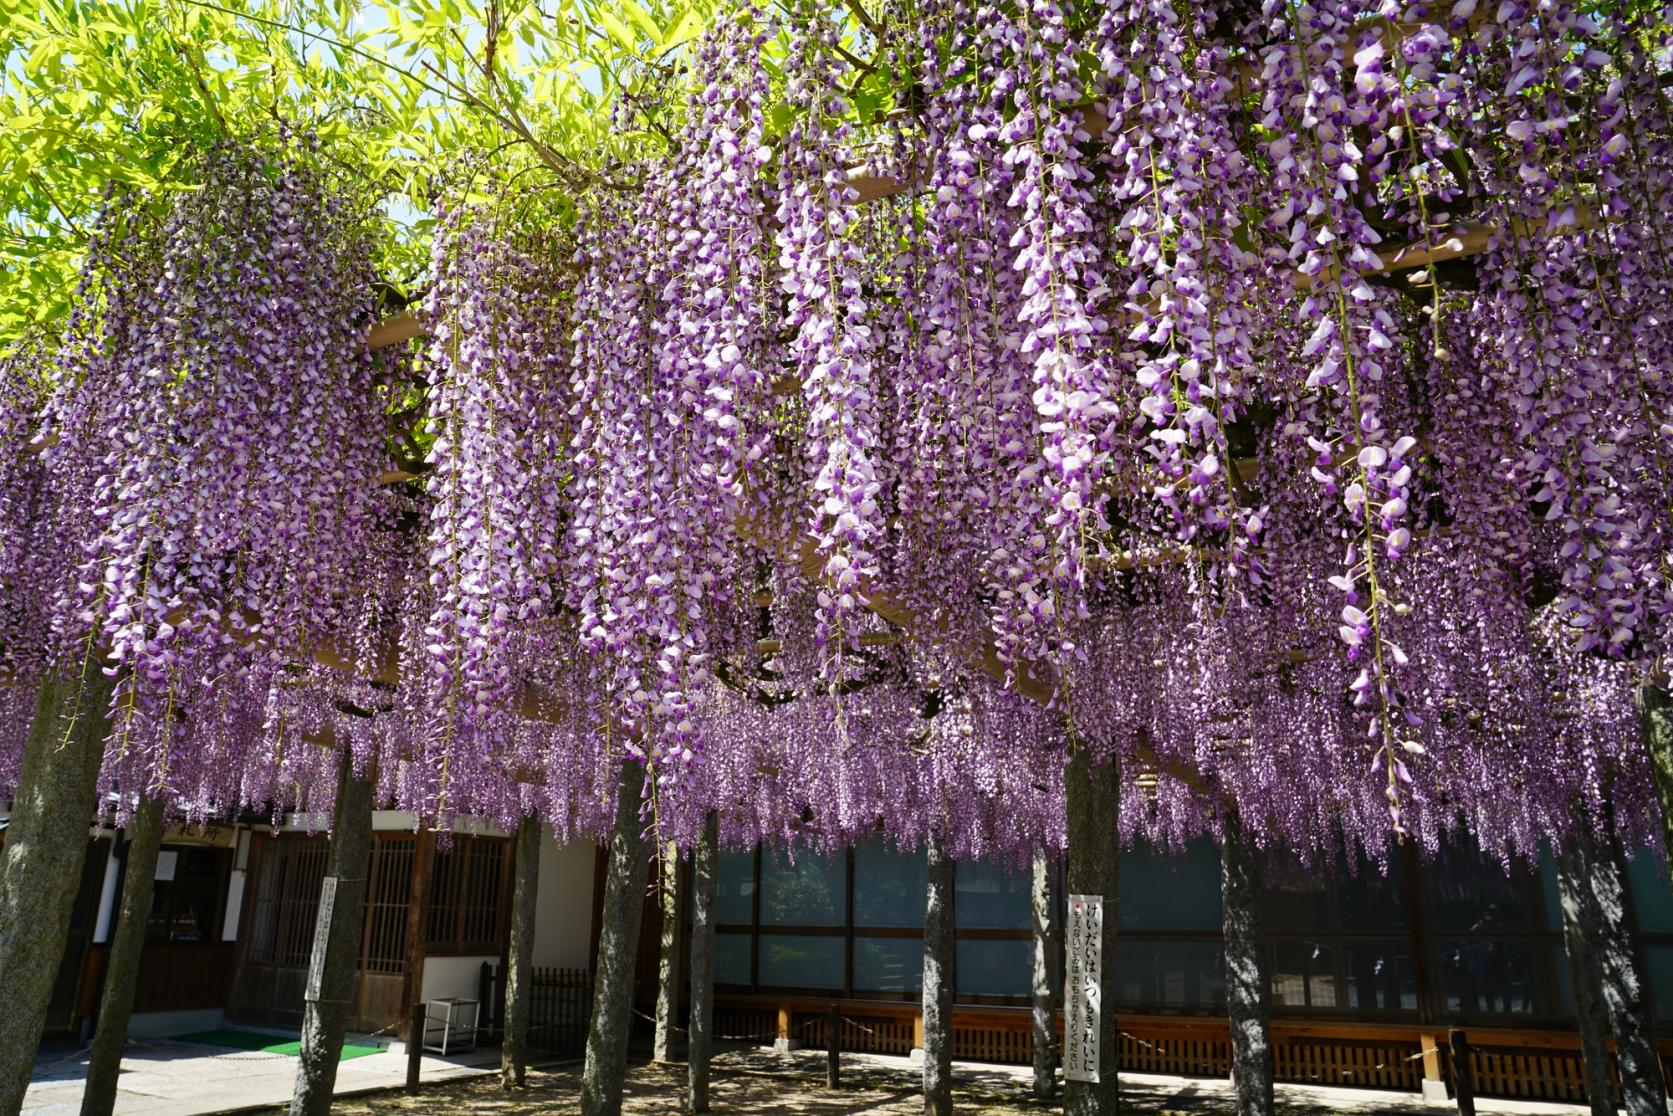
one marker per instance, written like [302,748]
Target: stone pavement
[182,1079]
[163,1076]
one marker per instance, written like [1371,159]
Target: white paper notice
[1082,988]
[322,936]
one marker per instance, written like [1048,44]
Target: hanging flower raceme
[833,350]
[216,425]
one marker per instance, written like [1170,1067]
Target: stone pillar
[116,1005]
[519,960]
[939,954]
[338,928]
[1093,792]
[705,869]
[1248,983]
[624,897]
[1045,983]
[40,867]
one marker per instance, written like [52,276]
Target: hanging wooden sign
[1083,978]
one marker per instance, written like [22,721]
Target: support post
[833,1047]
[417,1022]
[1044,1001]
[705,879]
[1463,1088]
[1624,988]
[116,1005]
[939,936]
[40,867]
[1655,723]
[1248,986]
[418,912]
[1093,792]
[669,889]
[618,939]
[338,926]
[1580,917]
[519,963]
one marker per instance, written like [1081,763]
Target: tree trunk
[1045,956]
[618,939]
[519,960]
[939,933]
[338,925]
[1248,987]
[1580,918]
[145,839]
[1642,1092]
[705,878]
[1655,721]
[1093,793]
[40,871]
[670,887]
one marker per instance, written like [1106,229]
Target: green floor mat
[272,1044]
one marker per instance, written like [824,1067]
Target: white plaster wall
[454,977]
[564,908]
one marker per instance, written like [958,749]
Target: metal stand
[448,1018]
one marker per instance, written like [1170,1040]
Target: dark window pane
[1160,891]
[1473,895]
[794,961]
[1549,898]
[735,888]
[889,886]
[1484,976]
[810,892]
[731,958]
[993,898]
[994,967]
[1381,977]
[1658,960]
[1298,896]
[1370,900]
[1304,975]
[1652,902]
[1170,974]
[888,964]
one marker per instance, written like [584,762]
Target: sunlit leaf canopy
[110,97]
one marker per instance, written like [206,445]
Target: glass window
[1486,976]
[1304,975]
[1658,960]
[735,888]
[186,894]
[1369,899]
[731,958]
[1171,892]
[889,885]
[811,891]
[993,898]
[1473,894]
[1381,977]
[1652,902]
[888,964]
[1298,896]
[801,961]
[994,967]
[1550,897]
[1170,974]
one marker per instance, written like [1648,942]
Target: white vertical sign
[322,937]
[1083,980]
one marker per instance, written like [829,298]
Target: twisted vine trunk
[618,939]
[1598,859]
[1248,987]
[705,869]
[40,871]
[338,926]
[519,959]
[1093,792]
[939,934]
[1044,1002]
[1580,919]
[670,886]
[116,1005]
